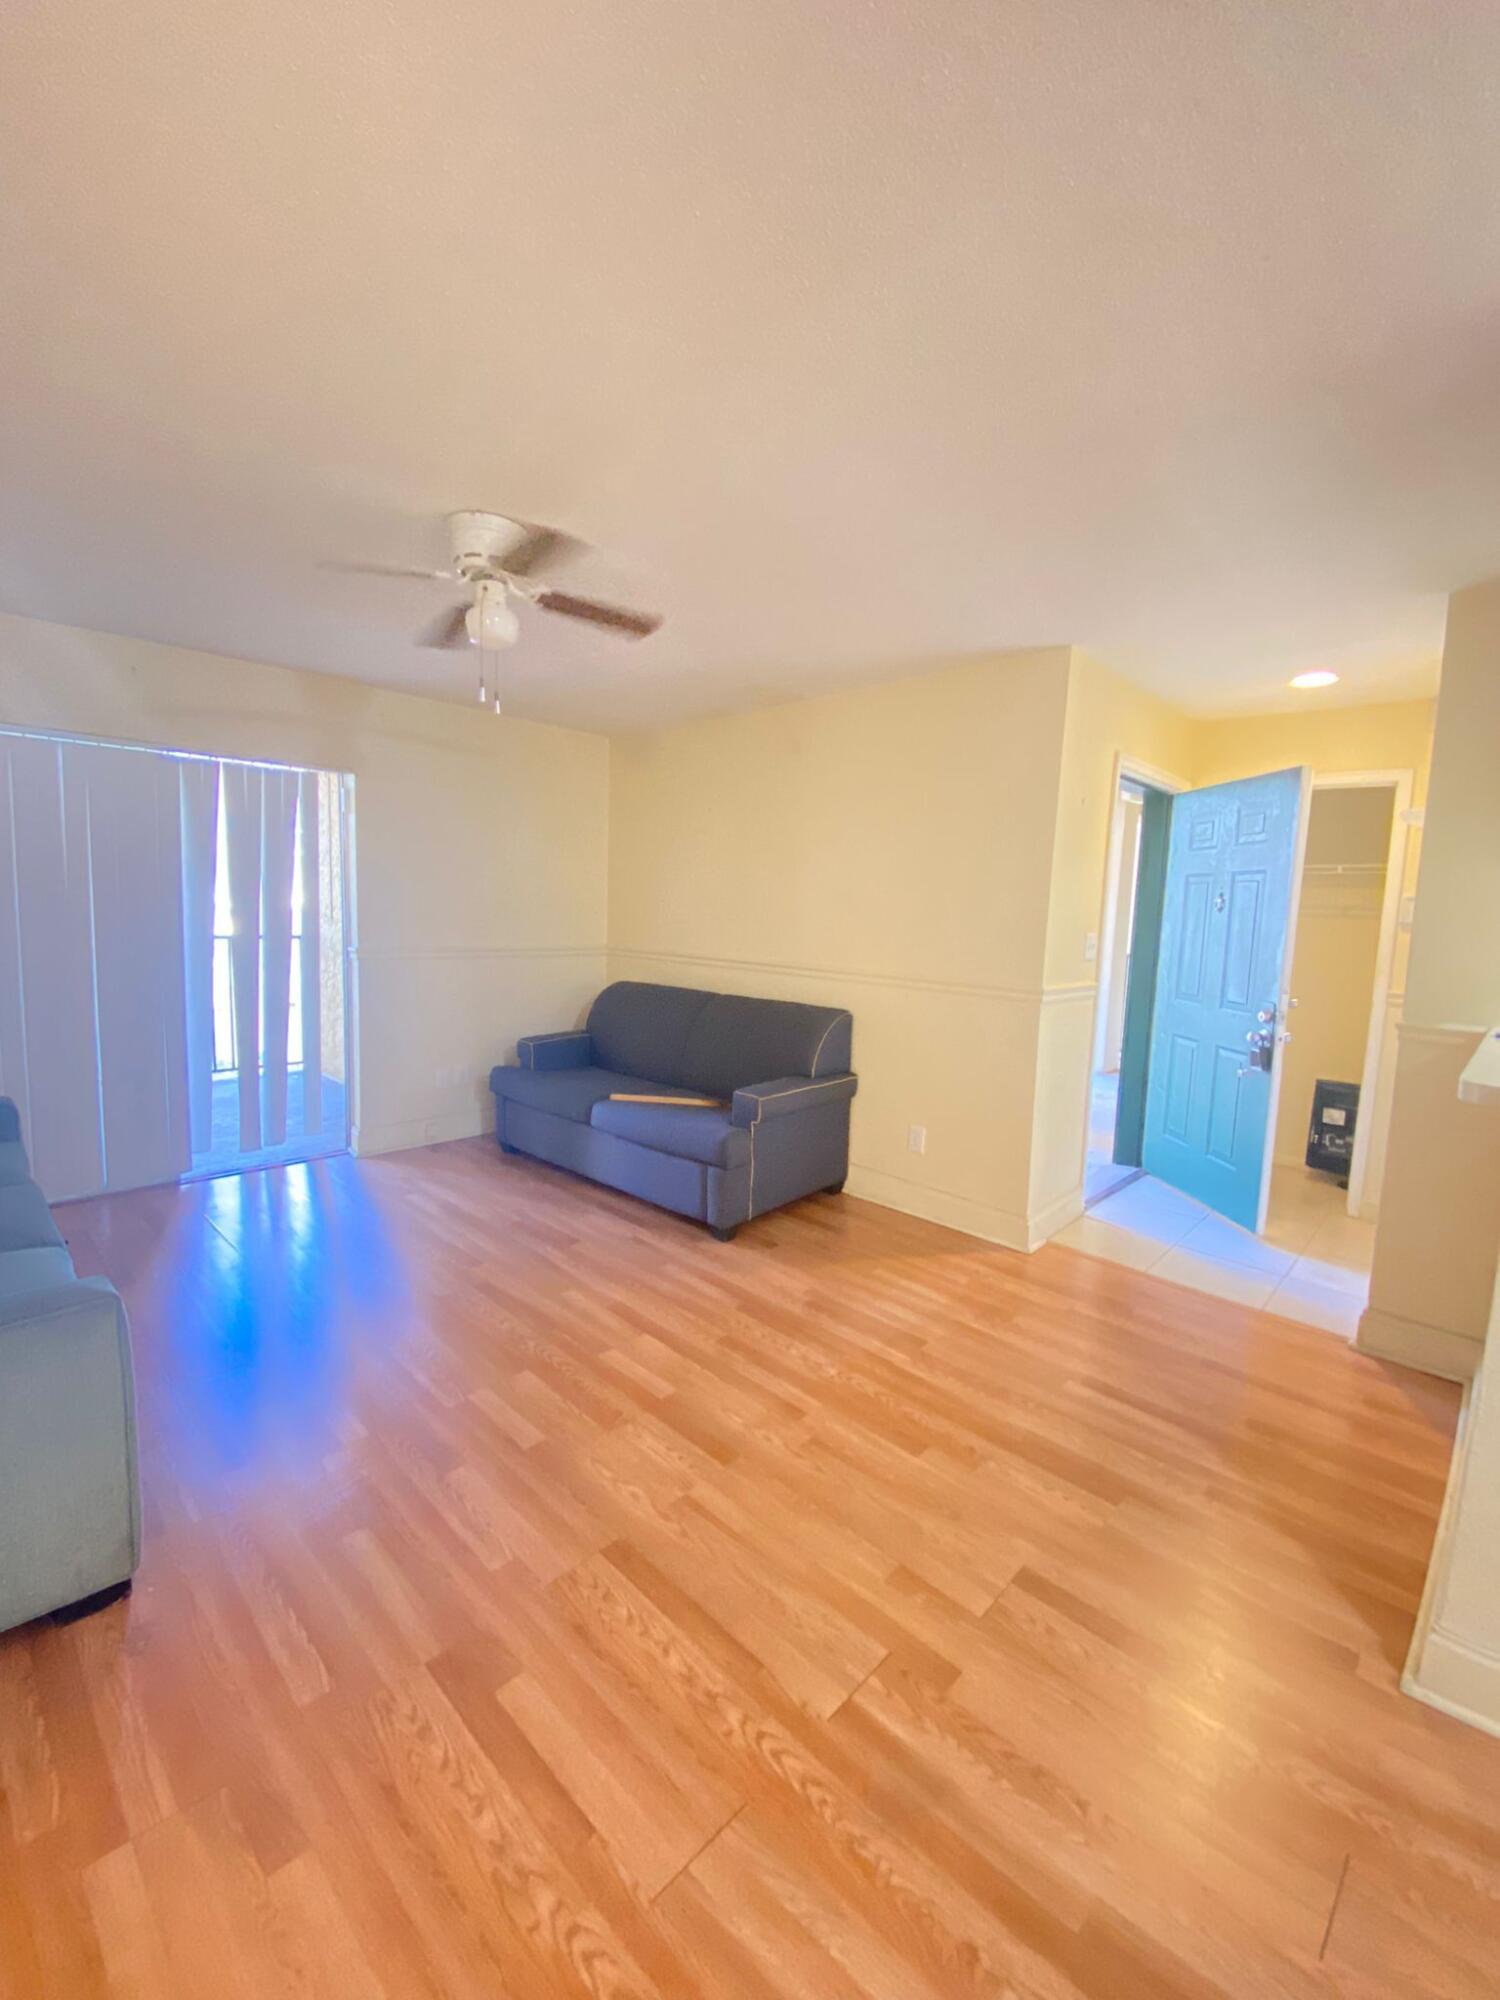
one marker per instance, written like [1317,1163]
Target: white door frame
[1400,784]
[1114,921]
[1127,770]
[1284,990]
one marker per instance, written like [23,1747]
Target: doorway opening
[1333,1059]
[266,906]
[1139,824]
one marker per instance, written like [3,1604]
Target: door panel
[1234,864]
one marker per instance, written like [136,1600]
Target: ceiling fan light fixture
[492,622]
[501,562]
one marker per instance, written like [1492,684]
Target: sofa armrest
[572,1048]
[79,1296]
[784,1095]
[70,1510]
[10,1120]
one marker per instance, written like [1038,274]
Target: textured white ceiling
[860,335]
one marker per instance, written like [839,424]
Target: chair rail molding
[1032,994]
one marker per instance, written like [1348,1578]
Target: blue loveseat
[781,1069]
[70,1509]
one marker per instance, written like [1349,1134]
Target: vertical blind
[261,810]
[107,872]
[93,1033]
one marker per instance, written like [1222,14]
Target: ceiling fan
[499,563]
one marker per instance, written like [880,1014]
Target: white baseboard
[1044,1223]
[1434,1349]
[954,1211]
[367,1140]
[973,1218]
[1458,1679]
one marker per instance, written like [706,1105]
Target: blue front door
[1234,862]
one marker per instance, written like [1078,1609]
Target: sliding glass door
[270,998]
[172,961]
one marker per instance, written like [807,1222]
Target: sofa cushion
[566,1093]
[25,1219]
[694,1133]
[715,1041]
[734,1040]
[14,1166]
[23,1271]
[642,1030]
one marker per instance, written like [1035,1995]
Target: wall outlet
[1091,946]
[916,1138]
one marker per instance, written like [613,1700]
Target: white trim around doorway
[1401,784]
[1384,1001]
[1127,771]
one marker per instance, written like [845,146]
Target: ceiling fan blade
[635,624]
[449,630]
[540,549]
[383,569]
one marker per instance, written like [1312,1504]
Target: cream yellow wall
[1384,736]
[1454,1661]
[1108,717]
[1432,1284]
[481,846]
[886,850]
[931,854]
[1439,1232]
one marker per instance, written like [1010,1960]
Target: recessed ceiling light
[1321,679]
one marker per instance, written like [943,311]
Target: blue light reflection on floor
[261,1353]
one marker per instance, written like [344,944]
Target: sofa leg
[723,1235]
[834,1187]
[69,1614]
[508,1149]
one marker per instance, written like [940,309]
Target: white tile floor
[1311,1264]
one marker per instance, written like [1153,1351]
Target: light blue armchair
[70,1518]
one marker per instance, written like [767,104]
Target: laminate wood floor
[542,1599]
